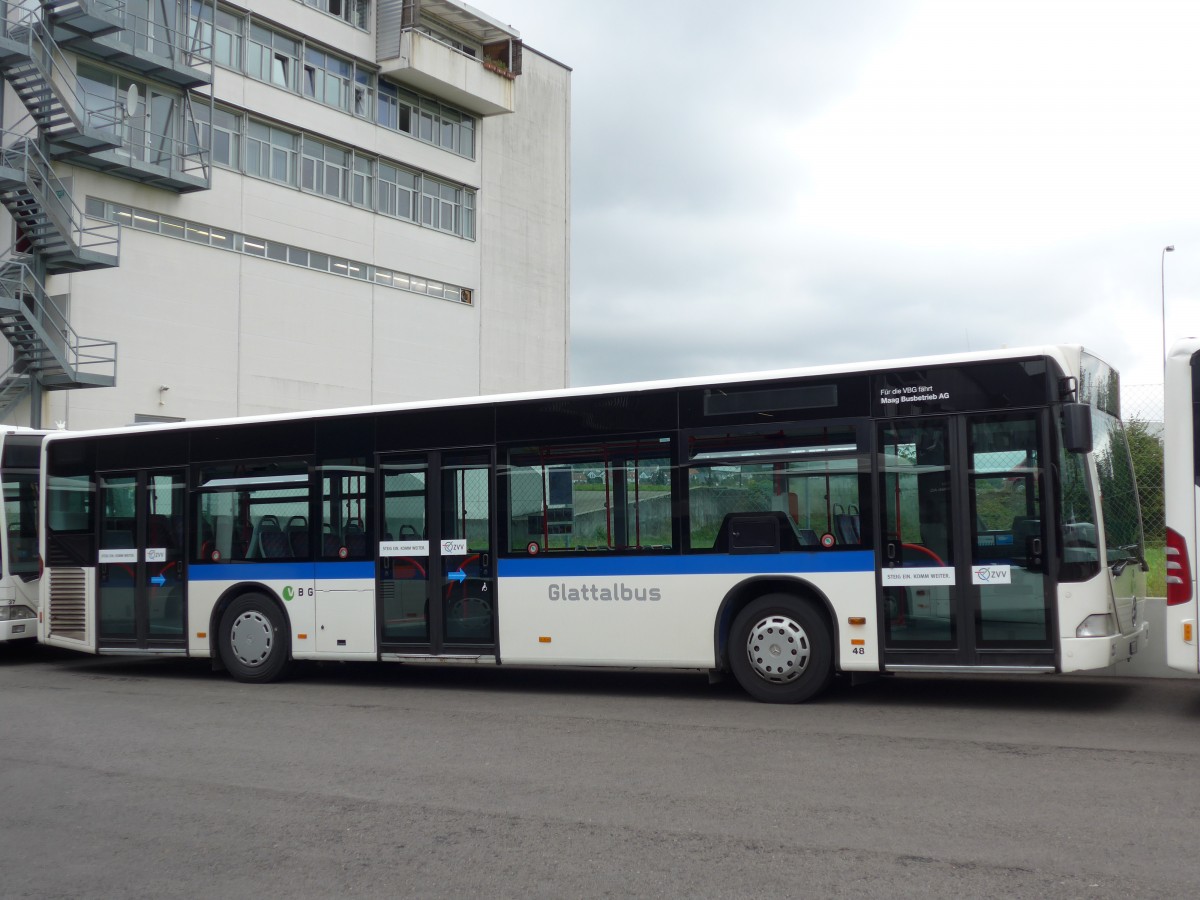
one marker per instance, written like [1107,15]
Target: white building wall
[230,334]
[525,234]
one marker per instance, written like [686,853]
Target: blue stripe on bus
[283,570]
[560,567]
[716,564]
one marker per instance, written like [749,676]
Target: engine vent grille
[68,603]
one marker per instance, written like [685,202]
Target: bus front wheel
[780,650]
[253,639]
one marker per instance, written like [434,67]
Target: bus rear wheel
[780,650]
[253,640]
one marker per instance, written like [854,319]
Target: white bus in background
[1181,482]
[20,459]
[966,513]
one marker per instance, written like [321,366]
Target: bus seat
[849,526]
[765,531]
[273,542]
[356,543]
[266,523]
[297,535]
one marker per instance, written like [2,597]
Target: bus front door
[435,567]
[141,592]
[963,558]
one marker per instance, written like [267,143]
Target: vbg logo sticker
[288,593]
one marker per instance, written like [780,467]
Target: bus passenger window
[810,479]
[606,496]
[241,514]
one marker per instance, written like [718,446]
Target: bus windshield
[21,519]
[1100,387]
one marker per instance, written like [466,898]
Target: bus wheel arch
[251,634]
[779,639]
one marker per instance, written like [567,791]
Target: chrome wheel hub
[778,649]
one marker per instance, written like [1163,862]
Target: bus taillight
[1179,569]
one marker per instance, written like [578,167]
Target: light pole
[1162,284]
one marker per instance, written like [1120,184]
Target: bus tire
[253,640]
[780,650]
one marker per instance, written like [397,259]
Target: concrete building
[275,206]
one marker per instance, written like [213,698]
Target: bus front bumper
[1080,654]
[17,623]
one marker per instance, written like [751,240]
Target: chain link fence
[1142,409]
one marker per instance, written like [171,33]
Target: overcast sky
[792,182]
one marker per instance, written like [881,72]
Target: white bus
[1181,480]
[20,458]
[968,513]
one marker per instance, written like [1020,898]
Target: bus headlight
[9,613]
[1099,625]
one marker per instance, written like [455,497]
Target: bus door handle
[891,551]
[1033,561]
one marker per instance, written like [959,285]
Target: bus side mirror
[1077,427]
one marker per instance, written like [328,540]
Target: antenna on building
[131,100]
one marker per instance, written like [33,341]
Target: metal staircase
[74,19]
[40,76]
[44,344]
[50,236]
[48,221]
[155,46]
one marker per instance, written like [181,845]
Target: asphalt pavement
[159,778]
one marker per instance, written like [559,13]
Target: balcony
[153,159]
[432,67]
[451,51]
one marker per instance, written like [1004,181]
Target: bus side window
[604,496]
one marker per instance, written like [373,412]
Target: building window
[356,12]
[272,57]
[468,215]
[151,131]
[236,242]
[362,183]
[324,169]
[222,133]
[362,93]
[327,78]
[222,44]
[425,119]
[271,153]
[397,192]
[440,206]
[227,43]
[451,40]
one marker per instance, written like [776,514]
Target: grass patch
[1156,578]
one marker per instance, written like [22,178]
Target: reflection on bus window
[600,496]
[21,518]
[245,514]
[813,476]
